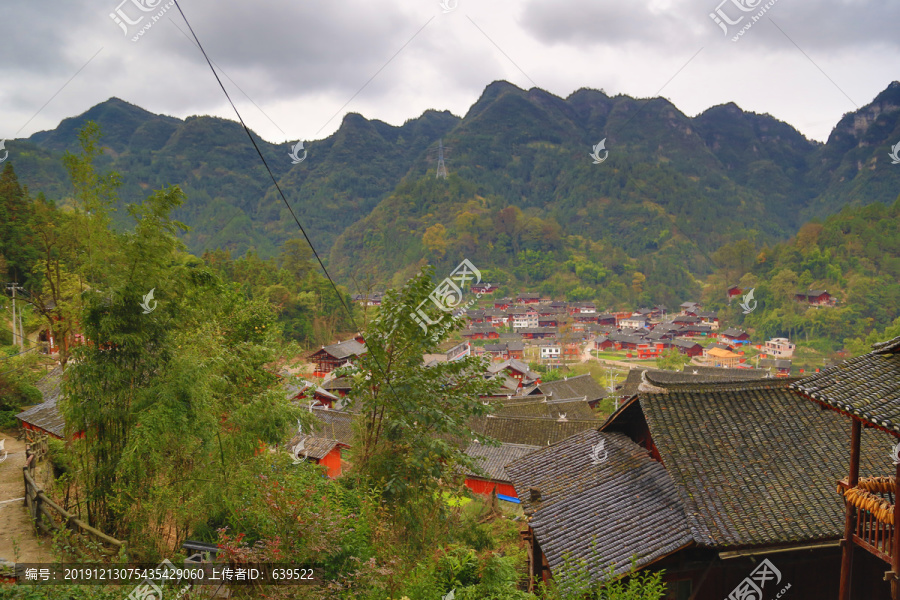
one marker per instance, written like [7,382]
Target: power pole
[441,168]
[17,330]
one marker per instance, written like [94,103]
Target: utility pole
[441,168]
[17,330]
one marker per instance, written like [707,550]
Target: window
[678,590]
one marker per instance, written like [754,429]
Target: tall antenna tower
[441,167]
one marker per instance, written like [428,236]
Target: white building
[780,348]
[551,351]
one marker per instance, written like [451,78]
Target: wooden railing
[874,500]
[47,515]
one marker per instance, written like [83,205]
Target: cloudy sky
[295,67]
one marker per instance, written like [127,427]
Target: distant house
[548,321]
[737,336]
[583,308]
[551,351]
[483,288]
[528,298]
[690,308]
[524,318]
[307,390]
[716,357]
[370,299]
[651,349]
[686,320]
[503,303]
[515,369]
[536,333]
[506,350]
[815,298]
[604,343]
[687,348]
[492,460]
[781,367]
[710,318]
[480,333]
[779,348]
[329,358]
[607,319]
[634,322]
[475,317]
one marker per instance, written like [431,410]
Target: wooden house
[528,298]
[516,369]
[46,416]
[329,358]
[332,433]
[736,336]
[688,348]
[574,387]
[717,357]
[713,482]
[483,288]
[503,303]
[491,460]
[779,366]
[865,390]
[815,298]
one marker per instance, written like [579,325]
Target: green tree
[414,419]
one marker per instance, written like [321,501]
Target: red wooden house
[483,288]
[329,358]
[481,333]
[46,417]
[491,460]
[528,299]
[503,303]
[815,298]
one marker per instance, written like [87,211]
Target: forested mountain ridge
[672,190]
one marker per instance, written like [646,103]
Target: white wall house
[780,348]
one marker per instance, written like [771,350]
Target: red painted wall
[480,486]
[332,462]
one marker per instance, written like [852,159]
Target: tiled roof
[576,408]
[344,349]
[493,459]
[46,415]
[531,431]
[574,387]
[733,332]
[867,386]
[684,379]
[600,515]
[726,373]
[313,447]
[335,425]
[757,465]
[338,383]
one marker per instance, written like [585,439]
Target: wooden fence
[48,516]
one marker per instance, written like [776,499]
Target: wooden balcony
[873,498]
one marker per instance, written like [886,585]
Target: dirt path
[15,525]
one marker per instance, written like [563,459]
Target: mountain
[672,190]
